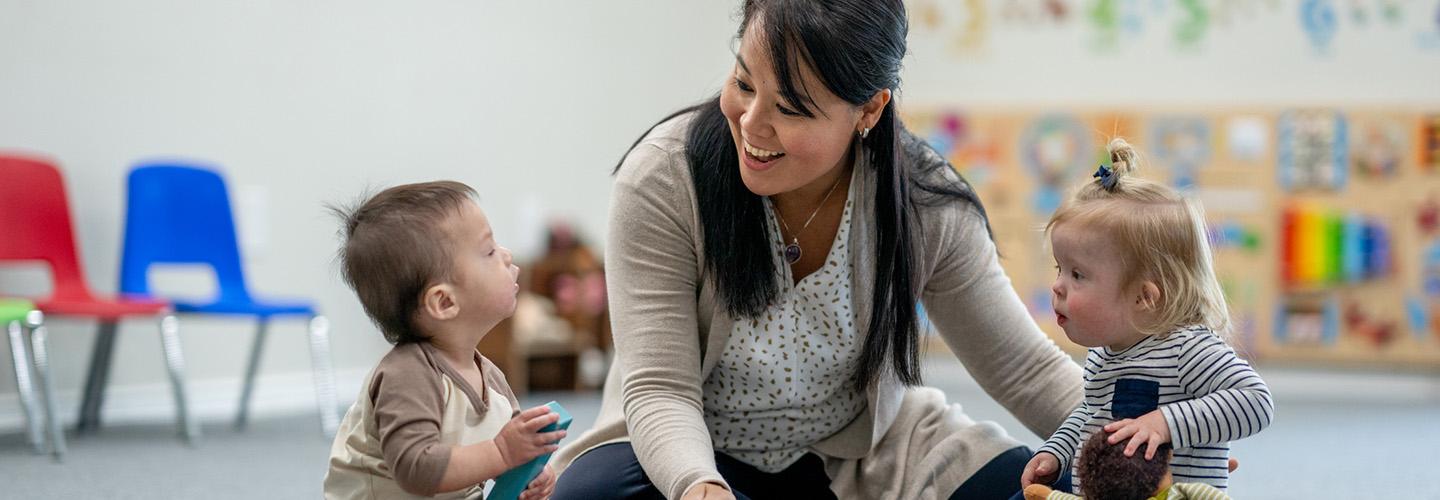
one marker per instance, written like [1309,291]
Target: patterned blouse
[784,380]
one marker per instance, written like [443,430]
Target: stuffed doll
[1107,474]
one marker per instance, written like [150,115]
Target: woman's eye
[787,111]
[744,87]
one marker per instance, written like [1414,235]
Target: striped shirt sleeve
[1231,401]
[1065,442]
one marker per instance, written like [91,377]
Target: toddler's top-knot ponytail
[1123,161]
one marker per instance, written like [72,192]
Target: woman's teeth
[762,154]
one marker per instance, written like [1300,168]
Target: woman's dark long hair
[855,47]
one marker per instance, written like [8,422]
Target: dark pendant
[792,252]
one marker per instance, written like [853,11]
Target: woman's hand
[1149,428]
[708,491]
[1043,468]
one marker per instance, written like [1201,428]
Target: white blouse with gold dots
[784,382]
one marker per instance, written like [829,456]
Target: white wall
[305,103]
[310,102]
[1253,53]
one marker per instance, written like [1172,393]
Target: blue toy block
[509,485]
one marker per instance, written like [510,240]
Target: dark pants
[613,472]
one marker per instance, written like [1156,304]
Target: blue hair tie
[1107,177]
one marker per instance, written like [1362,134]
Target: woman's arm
[971,302]
[653,277]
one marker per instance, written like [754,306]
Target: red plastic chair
[35,226]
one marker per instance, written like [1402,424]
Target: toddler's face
[1091,304]
[484,276]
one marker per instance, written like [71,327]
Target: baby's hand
[1150,429]
[519,440]
[1043,468]
[541,487]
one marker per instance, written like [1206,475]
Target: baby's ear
[1148,297]
[438,302]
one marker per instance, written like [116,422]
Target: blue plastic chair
[179,213]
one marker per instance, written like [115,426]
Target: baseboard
[211,400]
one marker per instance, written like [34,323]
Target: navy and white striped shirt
[1208,395]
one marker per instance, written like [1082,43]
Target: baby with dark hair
[435,419]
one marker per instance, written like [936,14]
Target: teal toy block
[509,485]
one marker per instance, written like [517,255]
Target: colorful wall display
[1325,222]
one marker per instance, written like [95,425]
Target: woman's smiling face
[782,145]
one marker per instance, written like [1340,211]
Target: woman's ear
[438,302]
[870,111]
[1148,297]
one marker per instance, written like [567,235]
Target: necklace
[792,250]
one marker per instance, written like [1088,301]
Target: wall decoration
[1181,144]
[1309,321]
[1235,235]
[1056,151]
[1322,248]
[1248,138]
[973,150]
[1194,22]
[1313,149]
[1427,216]
[1429,142]
[1363,324]
[1378,148]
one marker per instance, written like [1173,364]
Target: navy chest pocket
[1134,397]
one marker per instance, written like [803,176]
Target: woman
[768,249]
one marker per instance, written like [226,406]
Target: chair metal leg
[324,375]
[98,377]
[242,416]
[175,361]
[39,351]
[19,354]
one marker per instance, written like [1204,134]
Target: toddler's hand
[1150,429]
[1043,468]
[519,440]
[541,487]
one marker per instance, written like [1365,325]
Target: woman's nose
[756,121]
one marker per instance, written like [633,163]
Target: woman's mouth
[759,159]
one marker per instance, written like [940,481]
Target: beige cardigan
[670,329]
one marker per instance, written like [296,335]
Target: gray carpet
[1372,438]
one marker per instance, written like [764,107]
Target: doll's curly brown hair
[1107,474]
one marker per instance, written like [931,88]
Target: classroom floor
[1342,436]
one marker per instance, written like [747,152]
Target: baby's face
[1090,302]
[484,276]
